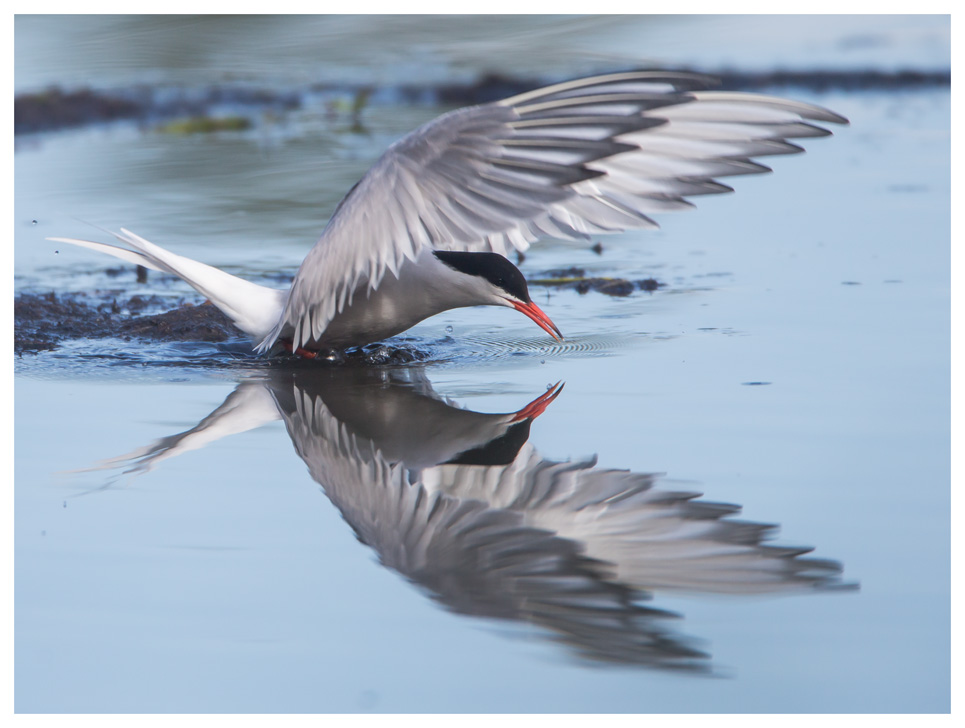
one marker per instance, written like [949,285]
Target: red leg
[299,351]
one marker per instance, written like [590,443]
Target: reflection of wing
[460,504]
[567,546]
[477,559]
[654,539]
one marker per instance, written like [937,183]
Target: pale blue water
[226,580]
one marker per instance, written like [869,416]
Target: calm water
[285,545]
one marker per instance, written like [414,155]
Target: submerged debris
[609,286]
[386,355]
[577,279]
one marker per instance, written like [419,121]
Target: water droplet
[542,361]
[33,222]
[449,329]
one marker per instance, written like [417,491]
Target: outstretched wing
[585,157]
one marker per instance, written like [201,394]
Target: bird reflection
[461,504]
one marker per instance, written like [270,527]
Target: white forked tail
[254,309]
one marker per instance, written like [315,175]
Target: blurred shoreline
[63,108]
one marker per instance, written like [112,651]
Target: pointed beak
[535,408]
[536,314]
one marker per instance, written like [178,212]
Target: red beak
[535,408]
[541,319]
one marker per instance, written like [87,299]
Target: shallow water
[795,364]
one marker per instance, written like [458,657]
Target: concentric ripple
[490,347]
[99,357]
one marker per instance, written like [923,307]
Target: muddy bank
[42,322]
[57,108]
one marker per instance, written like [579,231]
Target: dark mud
[43,322]
[239,107]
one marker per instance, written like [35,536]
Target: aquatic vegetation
[206,125]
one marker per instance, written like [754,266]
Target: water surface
[794,365]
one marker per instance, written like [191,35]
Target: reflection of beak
[535,408]
[541,319]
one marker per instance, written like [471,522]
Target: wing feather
[583,157]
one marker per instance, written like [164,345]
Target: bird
[428,228]
[463,506]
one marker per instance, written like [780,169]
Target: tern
[428,227]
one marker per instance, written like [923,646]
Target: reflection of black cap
[499,451]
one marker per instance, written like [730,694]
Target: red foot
[299,351]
